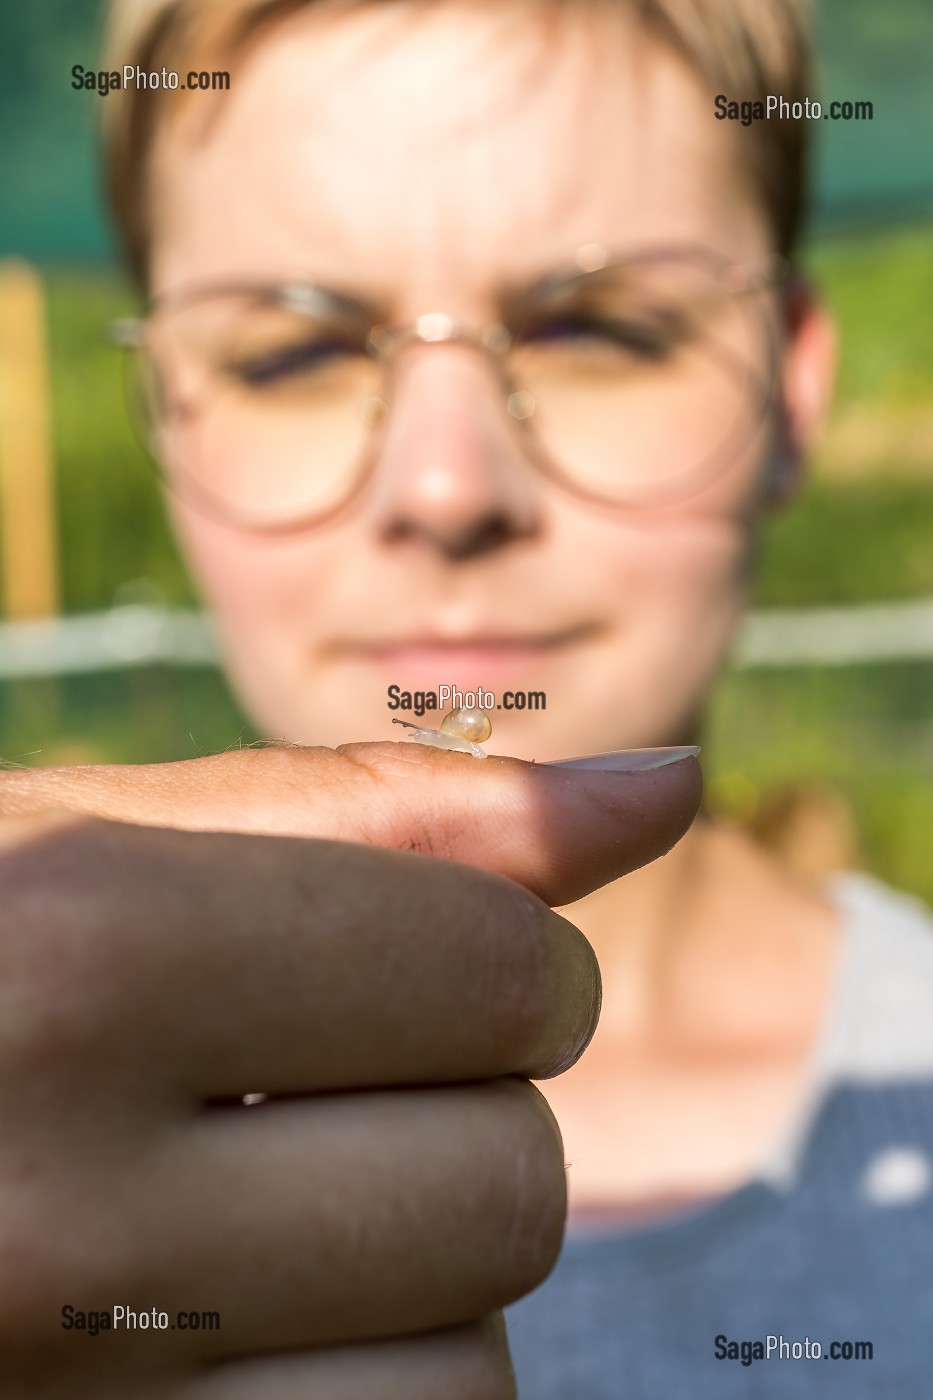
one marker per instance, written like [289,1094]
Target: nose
[453,470]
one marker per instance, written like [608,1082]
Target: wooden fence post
[28,541]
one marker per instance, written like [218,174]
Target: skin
[513,150]
[157,966]
[170,937]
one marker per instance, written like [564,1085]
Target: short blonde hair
[747,49]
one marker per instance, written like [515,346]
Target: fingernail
[627,760]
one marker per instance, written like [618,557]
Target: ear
[807,379]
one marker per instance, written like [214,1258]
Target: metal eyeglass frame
[383,342]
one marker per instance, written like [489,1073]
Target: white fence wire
[137,635]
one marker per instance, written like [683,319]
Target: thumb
[560,832]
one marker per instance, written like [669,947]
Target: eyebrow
[512,296]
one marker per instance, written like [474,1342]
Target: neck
[717,969]
[638,927]
[687,945]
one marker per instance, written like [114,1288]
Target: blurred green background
[843,752]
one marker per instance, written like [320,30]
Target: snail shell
[473,725]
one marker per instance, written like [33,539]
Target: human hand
[170,941]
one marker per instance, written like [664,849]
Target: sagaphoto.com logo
[106,80]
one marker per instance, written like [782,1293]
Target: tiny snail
[463,730]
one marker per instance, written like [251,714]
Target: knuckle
[250,775]
[28,1278]
[514,956]
[578,994]
[291,771]
[277,758]
[537,1202]
[47,1258]
[538,978]
[55,944]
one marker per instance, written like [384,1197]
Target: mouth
[428,661]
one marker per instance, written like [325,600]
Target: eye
[644,338]
[281,363]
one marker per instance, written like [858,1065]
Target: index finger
[223,964]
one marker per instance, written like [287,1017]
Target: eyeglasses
[633,381]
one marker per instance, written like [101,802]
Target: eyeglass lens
[637,381]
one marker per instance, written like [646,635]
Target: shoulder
[885,1023]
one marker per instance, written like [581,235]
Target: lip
[475,659]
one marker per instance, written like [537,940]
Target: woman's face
[421,159]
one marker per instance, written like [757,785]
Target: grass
[878,285]
[861,532]
[153,714]
[111,526]
[860,540]
[863,734]
[862,528]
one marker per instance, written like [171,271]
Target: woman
[474,359]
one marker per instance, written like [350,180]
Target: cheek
[681,585]
[257,587]
[706,570]
[693,559]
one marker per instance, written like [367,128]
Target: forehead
[403,153]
